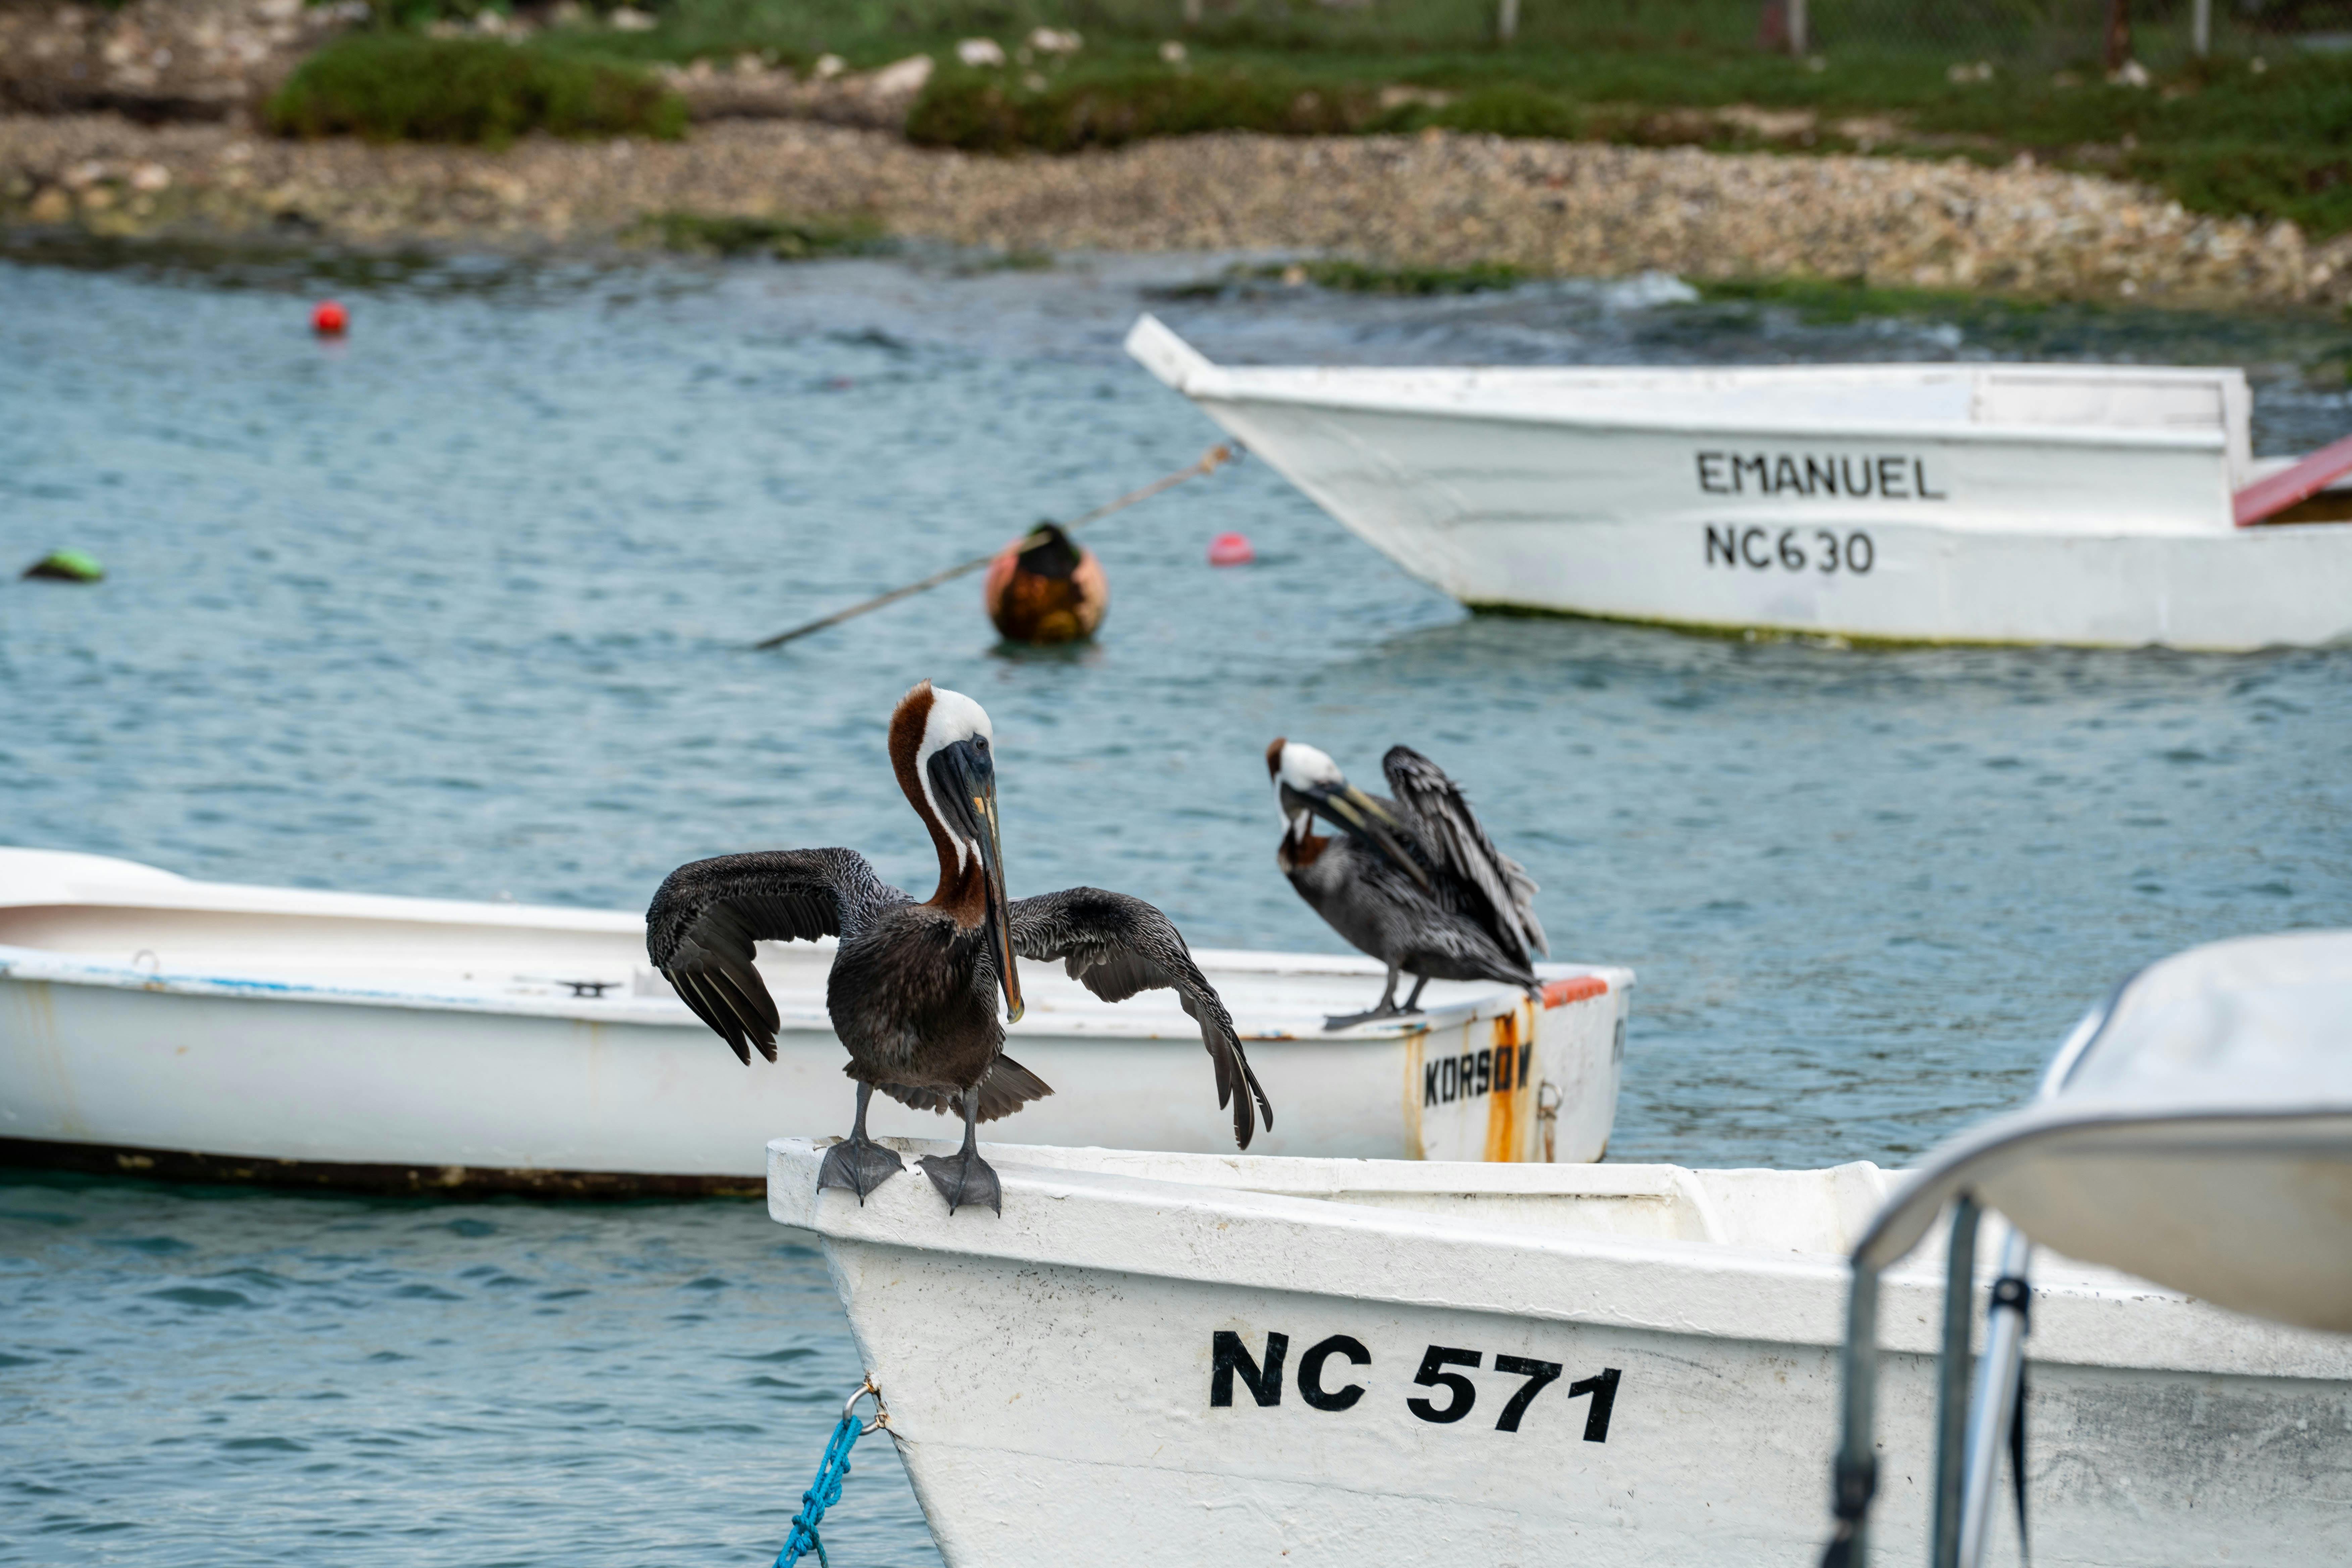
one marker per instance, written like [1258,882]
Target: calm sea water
[460,606]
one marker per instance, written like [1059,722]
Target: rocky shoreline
[1432,200]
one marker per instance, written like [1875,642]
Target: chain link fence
[2048,35]
[2083,36]
[2053,35]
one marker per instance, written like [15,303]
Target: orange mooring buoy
[1042,588]
[330,319]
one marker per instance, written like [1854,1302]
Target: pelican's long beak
[964,776]
[1346,807]
[1000,909]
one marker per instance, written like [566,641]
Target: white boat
[2197,1129]
[1174,1360]
[2098,505]
[153,1023]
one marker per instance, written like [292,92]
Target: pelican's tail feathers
[1008,1086]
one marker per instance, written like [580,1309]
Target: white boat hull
[1089,1376]
[151,1023]
[1904,503]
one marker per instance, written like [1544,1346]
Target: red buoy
[1231,550]
[330,319]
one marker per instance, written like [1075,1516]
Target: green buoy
[67,567]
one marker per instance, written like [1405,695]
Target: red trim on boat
[2267,498]
[1560,993]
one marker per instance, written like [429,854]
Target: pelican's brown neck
[963,885]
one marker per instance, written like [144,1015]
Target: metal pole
[1952,1382]
[2200,27]
[1506,20]
[1995,1402]
[1797,29]
[1856,1475]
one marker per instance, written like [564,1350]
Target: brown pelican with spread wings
[914,985]
[1412,880]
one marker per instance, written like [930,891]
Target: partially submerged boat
[152,1024]
[1178,1359]
[2096,505]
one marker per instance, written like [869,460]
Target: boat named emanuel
[1889,478]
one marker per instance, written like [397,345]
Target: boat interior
[1824,1211]
[2023,398]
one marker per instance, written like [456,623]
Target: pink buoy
[1231,550]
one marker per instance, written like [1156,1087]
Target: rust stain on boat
[1505,1106]
[37,1027]
[1412,1052]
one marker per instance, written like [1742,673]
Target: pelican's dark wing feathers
[707,915]
[1451,833]
[1115,946]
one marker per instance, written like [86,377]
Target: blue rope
[822,1493]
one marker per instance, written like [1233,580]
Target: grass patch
[390,87]
[1510,109]
[786,239]
[1111,104]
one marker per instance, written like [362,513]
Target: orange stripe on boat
[1560,993]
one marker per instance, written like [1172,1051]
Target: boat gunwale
[1167,1022]
[1191,1233]
[2068,435]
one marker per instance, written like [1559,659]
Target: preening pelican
[913,989]
[1412,880]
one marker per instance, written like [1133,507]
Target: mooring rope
[1211,461]
[831,1470]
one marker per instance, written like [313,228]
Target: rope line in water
[1211,461]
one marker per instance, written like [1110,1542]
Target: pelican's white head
[943,749]
[1302,767]
[953,718]
[1306,783]
[1300,775]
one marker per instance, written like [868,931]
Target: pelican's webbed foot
[1386,1009]
[965,1178]
[858,1164]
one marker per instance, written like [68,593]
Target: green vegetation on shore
[394,86]
[2261,129]
[2222,136]
[1113,102]
[786,239]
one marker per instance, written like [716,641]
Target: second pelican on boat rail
[1412,880]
